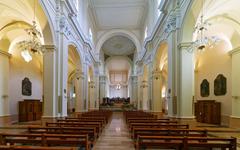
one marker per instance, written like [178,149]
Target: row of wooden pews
[149,131]
[79,132]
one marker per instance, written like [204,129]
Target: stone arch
[123,57]
[160,58]
[115,32]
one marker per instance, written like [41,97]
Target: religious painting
[220,85]
[204,90]
[26,87]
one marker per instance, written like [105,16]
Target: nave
[120,130]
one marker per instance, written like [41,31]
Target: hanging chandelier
[202,41]
[118,86]
[33,45]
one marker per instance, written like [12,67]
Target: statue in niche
[220,85]
[26,87]
[204,88]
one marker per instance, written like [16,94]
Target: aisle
[115,135]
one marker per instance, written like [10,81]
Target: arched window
[76,3]
[90,34]
[158,7]
[146,32]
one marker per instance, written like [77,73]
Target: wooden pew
[165,126]
[168,132]
[90,131]
[99,119]
[102,124]
[78,124]
[45,140]
[148,123]
[185,143]
[14,147]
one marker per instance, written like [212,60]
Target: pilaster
[235,117]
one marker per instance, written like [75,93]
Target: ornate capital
[50,48]
[156,74]
[64,26]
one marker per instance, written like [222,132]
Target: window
[76,3]
[90,34]
[146,33]
[158,7]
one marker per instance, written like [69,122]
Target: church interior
[119,74]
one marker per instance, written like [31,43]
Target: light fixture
[202,41]
[118,86]
[33,45]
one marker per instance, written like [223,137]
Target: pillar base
[234,122]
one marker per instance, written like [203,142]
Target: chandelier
[202,41]
[33,45]
[118,86]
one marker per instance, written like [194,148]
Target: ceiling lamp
[202,41]
[33,45]
[118,86]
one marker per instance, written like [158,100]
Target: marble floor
[115,135]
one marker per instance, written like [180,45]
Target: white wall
[19,69]
[122,92]
[4,77]
[211,63]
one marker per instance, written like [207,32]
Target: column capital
[50,48]
[4,53]
[156,74]
[184,45]
[234,51]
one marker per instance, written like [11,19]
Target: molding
[7,115]
[234,51]
[186,117]
[4,53]
[235,117]
[48,117]
[183,45]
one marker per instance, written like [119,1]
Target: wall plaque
[26,87]
[204,90]
[220,85]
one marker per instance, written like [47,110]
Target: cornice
[234,51]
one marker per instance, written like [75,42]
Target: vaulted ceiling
[112,14]
[118,45]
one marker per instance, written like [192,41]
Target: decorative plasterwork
[5,53]
[234,51]
[64,26]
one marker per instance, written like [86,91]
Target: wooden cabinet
[208,111]
[30,110]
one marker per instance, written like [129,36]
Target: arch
[74,62]
[123,57]
[115,32]
[160,59]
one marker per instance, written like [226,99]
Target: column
[4,78]
[102,87]
[140,95]
[79,104]
[63,74]
[96,92]
[91,95]
[50,76]
[85,87]
[144,95]
[134,98]
[235,117]
[157,91]
[185,82]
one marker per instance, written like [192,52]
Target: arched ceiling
[118,45]
[118,64]
[113,14]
